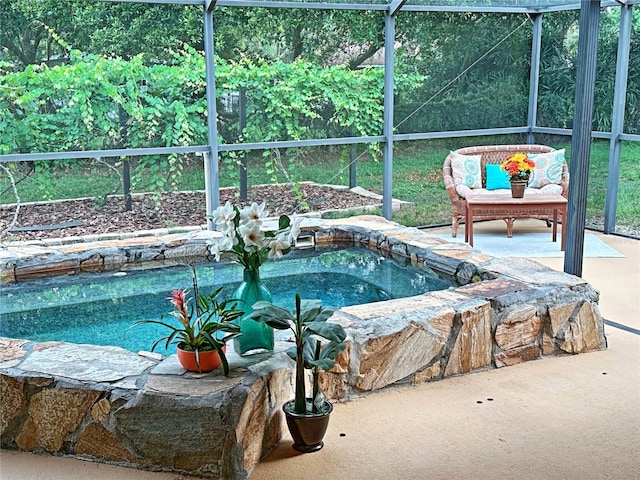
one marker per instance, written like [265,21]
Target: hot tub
[108,404]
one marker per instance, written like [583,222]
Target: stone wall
[505,311]
[110,405]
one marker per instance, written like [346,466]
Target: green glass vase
[256,337]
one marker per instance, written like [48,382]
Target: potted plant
[307,418]
[241,232]
[203,330]
[519,168]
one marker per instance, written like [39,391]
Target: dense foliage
[95,102]
[437,46]
[558,71]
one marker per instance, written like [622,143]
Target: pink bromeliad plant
[204,322]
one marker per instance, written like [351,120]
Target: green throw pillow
[496,178]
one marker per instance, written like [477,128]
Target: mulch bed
[171,210]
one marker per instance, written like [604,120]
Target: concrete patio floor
[573,417]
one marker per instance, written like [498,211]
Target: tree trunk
[368,53]
[297,42]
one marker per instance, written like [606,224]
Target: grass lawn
[417,178]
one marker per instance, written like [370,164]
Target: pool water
[100,309]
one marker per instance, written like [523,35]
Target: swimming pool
[99,309]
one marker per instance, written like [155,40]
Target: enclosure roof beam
[165,2]
[302,5]
[461,7]
[310,5]
[396,5]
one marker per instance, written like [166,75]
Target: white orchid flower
[214,249]
[248,223]
[227,228]
[252,234]
[223,216]
[244,227]
[279,243]
[294,233]
[228,241]
[254,213]
[212,238]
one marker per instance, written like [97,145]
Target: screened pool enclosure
[408,53]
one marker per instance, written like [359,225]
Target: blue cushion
[496,178]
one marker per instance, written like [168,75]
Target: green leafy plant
[308,322]
[205,325]
[98,102]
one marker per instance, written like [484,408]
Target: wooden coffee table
[504,204]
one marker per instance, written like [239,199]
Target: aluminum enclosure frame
[211,151]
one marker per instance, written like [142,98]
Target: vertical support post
[126,184]
[617,121]
[242,123]
[208,188]
[126,165]
[534,77]
[211,180]
[353,155]
[387,153]
[581,140]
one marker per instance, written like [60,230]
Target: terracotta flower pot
[517,189]
[207,360]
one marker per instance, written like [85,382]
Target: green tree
[475,68]
[25,31]
[129,29]
[36,32]
[558,71]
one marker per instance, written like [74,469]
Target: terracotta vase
[517,189]
[207,360]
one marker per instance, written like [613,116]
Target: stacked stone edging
[110,405]
[506,311]
[118,407]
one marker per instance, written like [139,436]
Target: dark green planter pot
[308,429]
